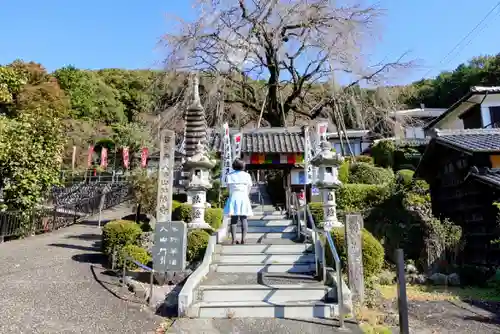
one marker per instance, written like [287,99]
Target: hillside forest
[43,115]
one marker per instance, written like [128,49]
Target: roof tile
[471,140]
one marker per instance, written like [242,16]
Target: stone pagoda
[198,163]
[195,122]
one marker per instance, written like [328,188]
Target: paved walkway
[54,283]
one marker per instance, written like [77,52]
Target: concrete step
[270,223]
[269,229]
[214,278]
[265,258]
[276,293]
[262,309]
[266,268]
[267,216]
[264,249]
[267,235]
[262,241]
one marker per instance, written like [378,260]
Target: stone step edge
[309,286]
[306,252]
[295,303]
[279,263]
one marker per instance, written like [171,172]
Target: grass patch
[369,329]
[430,293]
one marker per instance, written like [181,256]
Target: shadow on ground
[94,222]
[93,258]
[86,236]
[94,248]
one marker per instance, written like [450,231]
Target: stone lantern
[199,181]
[327,181]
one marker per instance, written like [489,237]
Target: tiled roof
[265,140]
[471,140]
[487,175]
[481,89]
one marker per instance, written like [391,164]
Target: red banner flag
[89,156]
[104,157]
[144,157]
[125,157]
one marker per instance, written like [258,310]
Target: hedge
[213,216]
[139,254]
[118,234]
[353,198]
[344,171]
[365,173]
[197,241]
[372,252]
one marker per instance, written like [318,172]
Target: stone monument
[199,181]
[328,162]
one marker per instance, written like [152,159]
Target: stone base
[199,225]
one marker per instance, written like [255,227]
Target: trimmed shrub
[137,253]
[364,173]
[363,158]
[373,252]
[383,153]
[118,234]
[344,171]
[183,211]
[197,241]
[353,198]
[360,197]
[213,216]
[405,177]
[317,212]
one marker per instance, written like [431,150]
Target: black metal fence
[15,224]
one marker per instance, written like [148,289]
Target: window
[495,117]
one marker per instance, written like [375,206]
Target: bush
[118,234]
[383,153]
[214,216]
[353,198]
[183,211]
[364,173]
[137,253]
[363,158]
[373,252]
[360,197]
[145,190]
[344,172]
[217,195]
[197,241]
[405,177]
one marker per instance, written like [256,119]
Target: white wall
[489,101]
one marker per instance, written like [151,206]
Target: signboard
[165,177]
[315,191]
[104,157]
[236,146]
[226,155]
[308,155]
[169,250]
[354,224]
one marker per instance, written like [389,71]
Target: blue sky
[109,33]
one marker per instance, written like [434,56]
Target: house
[409,124]
[462,168]
[479,108]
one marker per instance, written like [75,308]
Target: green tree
[32,136]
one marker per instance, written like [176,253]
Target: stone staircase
[271,276]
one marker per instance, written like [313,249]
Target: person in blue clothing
[238,205]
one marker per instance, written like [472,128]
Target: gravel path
[54,283]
